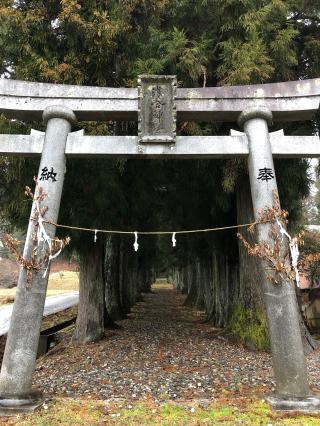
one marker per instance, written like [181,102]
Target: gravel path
[163,352]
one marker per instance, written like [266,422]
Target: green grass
[64,281]
[161,284]
[59,283]
[228,412]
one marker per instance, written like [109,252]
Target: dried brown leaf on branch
[273,252]
[308,261]
[274,213]
[54,246]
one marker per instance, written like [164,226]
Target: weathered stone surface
[184,147]
[11,405]
[157,109]
[294,100]
[22,340]
[280,299]
[309,404]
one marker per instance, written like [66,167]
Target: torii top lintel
[289,101]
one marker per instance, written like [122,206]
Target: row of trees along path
[87,43]
[163,350]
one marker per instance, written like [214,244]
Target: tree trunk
[222,284]
[90,319]
[251,273]
[192,285]
[108,321]
[176,276]
[112,278]
[309,343]
[123,278]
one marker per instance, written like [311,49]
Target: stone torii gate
[156,104]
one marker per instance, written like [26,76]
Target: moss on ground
[228,412]
[250,325]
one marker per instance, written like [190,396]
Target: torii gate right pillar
[292,388]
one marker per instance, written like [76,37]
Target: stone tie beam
[185,147]
[16,394]
[292,388]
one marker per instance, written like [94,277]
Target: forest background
[204,43]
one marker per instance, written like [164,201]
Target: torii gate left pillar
[16,394]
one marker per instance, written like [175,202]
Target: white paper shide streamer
[42,236]
[136,245]
[294,250]
[174,241]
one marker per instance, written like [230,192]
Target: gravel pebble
[163,352]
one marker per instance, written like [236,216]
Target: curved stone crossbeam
[288,101]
